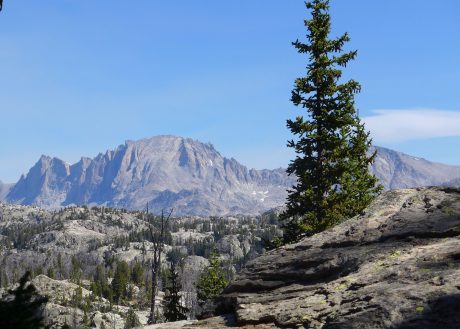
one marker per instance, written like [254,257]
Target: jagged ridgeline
[189,176]
[94,263]
[166,171]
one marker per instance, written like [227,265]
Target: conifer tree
[137,274]
[23,308]
[120,281]
[173,309]
[211,282]
[131,321]
[332,160]
[100,285]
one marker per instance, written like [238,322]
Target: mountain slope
[4,189]
[190,176]
[399,170]
[453,183]
[165,171]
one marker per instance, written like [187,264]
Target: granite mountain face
[190,176]
[165,171]
[398,170]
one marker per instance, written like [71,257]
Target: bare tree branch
[158,241]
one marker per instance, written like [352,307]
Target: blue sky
[80,77]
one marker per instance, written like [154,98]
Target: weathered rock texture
[397,266]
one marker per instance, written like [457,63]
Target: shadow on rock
[443,313]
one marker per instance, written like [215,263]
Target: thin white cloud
[387,126]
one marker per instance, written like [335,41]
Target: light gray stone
[396,266]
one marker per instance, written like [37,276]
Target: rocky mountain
[453,183]
[189,176]
[4,189]
[398,170]
[396,266]
[164,171]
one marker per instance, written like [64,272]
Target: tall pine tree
[172,306]
[332,161]
[120,281]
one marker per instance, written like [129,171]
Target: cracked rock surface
[396,266]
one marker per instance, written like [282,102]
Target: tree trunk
[152,318]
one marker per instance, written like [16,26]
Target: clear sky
[78,77]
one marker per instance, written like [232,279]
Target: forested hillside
[94,263]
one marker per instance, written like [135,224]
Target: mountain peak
[169,171]
[166,171]
[44,157]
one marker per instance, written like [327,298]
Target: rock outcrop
[58,314]
[396,266]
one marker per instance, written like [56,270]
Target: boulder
[231,246]
[396,266]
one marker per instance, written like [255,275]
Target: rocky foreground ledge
[397,266]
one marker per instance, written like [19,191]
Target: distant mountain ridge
[189,176]
[453,183]
[4,189]
[165,171]
[399,170]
